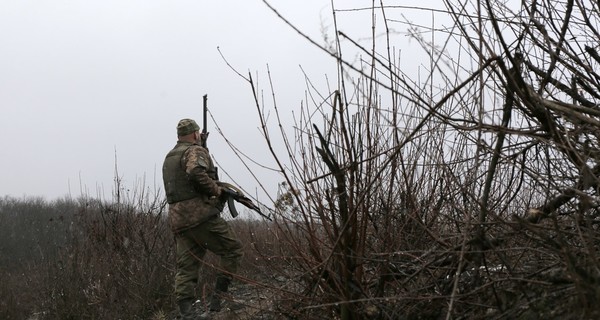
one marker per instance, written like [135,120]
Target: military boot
[185,309]
[221,288]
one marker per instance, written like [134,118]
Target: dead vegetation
[469,191]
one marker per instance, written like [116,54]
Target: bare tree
[467,190]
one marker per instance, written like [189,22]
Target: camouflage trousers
[214,235]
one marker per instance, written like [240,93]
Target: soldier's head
[188,130]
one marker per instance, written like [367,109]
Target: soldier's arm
[197,161]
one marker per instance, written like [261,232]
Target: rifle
[232,193]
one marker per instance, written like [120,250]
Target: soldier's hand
[217,192]
[203,137]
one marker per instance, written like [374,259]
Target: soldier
[190,180]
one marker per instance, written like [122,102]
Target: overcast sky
[87,85]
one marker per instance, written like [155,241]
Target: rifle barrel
[204,126]
[204,110]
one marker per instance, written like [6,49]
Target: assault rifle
[230,192]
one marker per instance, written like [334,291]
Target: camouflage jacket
[201,174]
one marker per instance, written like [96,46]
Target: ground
[248,301]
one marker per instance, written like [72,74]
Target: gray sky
[85,85]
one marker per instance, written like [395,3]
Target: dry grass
[89,260]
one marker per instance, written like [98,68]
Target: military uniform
[194,214]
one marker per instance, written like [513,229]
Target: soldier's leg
[189,254]
[222,241]
[219,238]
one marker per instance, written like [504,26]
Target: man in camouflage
[194,197]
